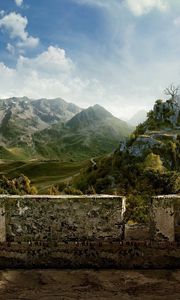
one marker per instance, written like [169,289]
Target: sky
[121,54]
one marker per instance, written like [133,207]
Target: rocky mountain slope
[48,129]
[21,117]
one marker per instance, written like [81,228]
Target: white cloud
[140,7]
[137,7]
[29,42]
[52,62]
[10,48]
[19,2]
[15,25]
[50,74]
[101,3]
[110,5]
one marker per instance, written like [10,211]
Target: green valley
[42,174]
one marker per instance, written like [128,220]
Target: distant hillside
[138,117]
[55,129]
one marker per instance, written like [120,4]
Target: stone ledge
[61,196]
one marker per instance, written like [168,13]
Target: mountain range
[56,129]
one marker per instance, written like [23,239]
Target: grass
[13,153]
[43,174]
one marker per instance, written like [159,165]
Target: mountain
[56,129]
[89,117]
[54,110]
[94,131]
[138,117]
[98,119]
[20,118]
[34,115]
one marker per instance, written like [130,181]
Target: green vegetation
[14,153]
[153,162]
[124,175]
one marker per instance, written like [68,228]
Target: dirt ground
[89,284]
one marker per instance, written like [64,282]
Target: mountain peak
[101,110]
[89,117]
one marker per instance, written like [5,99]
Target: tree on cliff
[172,91]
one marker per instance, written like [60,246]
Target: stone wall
[60,218]
[165,217]
[84,231]
[137,232]
[2,225]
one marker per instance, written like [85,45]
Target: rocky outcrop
[168,111]
[142,144]
[159,134]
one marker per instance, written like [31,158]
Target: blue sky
[120,54]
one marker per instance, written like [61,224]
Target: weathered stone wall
[60,218]
[165,217]
[83,231]
[137,232]
[177,221]
[2,225]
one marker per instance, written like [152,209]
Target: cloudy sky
[118,53]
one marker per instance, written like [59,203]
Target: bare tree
[172,91]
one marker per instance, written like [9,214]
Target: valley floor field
[43,174]
[89,284]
